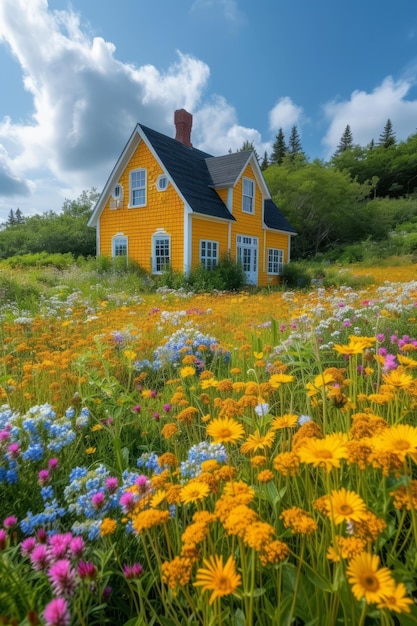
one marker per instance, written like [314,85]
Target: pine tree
[346,141]
[387,137]
[248,146]
[19,218]
[11,219]
[279,149]
[294,143]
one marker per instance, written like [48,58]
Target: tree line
[359,194]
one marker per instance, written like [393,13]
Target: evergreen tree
[279,149]
[265,162]
[11,219]
[294,143]
[248,146]
[346,141]
[19,217]
[387,137]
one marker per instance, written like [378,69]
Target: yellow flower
[149,518]
[265,476]
[398,379]
[194,491]
[284,421]
[400,440]
[397,600]
[257,442]
[221,579]
[368,580]
[107,526]
[346,506]
[298,521]
[278,379]
[96,427]
[187,371]
[210,382]
[90,450]
[258,355]
[130,355]
[225,430]
[325,452]
[169,430]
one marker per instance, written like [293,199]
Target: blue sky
[76,78]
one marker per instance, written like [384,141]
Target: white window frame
[248,195]
[159,261]
[119,242]
[162,182]
[138,186]
[209,253]
[275,261]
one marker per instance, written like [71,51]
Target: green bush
[296,275]
[40,259]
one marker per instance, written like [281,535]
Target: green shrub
[40,259]
[296,275]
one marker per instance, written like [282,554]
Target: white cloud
[367,113]
[285,115]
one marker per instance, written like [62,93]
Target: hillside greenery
[360,203]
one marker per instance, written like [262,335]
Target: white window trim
[205,258]
[113,246]
[279,263]
[132,189]
[158,182]
[249,180]
[155,237]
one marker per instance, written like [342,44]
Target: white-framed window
[119,246]
[138,188]
[162,182]
[117,192]
[209,253]
[248,195]
[275,260]
[161,252]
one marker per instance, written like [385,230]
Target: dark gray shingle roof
[224,170]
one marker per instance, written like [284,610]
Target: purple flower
[380,337]
[14,450]
[127,501]
[4,435]
[56,613]
[137,408]
[167,408]
[27,545]
[106,593]
[43,477]
[62,577]
[156,416]
[53,464]
[59,544]
[132,571]
[39,557]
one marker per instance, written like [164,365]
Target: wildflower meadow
[202,459]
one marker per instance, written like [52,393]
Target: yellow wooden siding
[203,229]
[164,209]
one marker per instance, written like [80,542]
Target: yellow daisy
[257,442]
[221,579]
[225,430]
[368,580]
[346,506]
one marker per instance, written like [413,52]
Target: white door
[247,255]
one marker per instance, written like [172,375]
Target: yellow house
[166,202]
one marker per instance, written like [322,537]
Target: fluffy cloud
[367,114]
[285,114]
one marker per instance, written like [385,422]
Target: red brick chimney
[183,123]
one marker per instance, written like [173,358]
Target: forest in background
[362,200]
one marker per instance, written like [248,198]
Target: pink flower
[62,577]
[39,557]
[137,408]
[86,569]
[14,450]
[43,477]
[42,535]
[167,408]
[3,539]
[77,546]
[132,571]
[112,483]
[127,501]
[10,521]
[53,464]
[59,544]
[27,545]
[97,500]
[156,416]
[56,613]
[4,435]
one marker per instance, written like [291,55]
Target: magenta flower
[53,464]
[27,546]
[112,483]
[39,557]
[137,408]
[4,435]
[156,416]
[14,450]
[141,481]
[153,394]
[43,477]
[3,539]
[106,593]
[132,571]
[77,546]
[86,569]
[167,408]
[97,499]
[62,577]
[42,535]
[59,544]
[127,501]
[10,521]
[56,613]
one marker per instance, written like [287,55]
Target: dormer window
[162,182]
[117,192]
[248,193]
[138,188]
